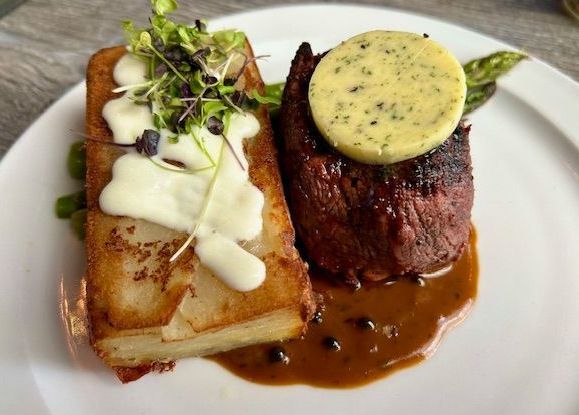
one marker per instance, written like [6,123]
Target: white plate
[518,353]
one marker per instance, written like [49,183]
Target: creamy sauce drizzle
[127,120]
[218,204]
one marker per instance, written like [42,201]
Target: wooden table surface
[44,44]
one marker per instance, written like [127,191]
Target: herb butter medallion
[383,97]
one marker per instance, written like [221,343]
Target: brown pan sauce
[360,336]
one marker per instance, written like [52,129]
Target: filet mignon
[365,221]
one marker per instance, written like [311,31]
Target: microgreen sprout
[146,144]
[191,84]
[192,73]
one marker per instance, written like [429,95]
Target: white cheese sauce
[219,204]
[130,70]
[126,119]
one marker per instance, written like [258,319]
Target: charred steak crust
[366,221]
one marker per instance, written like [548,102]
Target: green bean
[76,161]
[77,222]
[66,205]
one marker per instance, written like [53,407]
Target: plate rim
[13,153]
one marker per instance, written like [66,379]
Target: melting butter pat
[383,97]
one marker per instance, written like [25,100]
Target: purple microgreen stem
[169,64]
[233,151]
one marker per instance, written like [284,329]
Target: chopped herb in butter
[382,97]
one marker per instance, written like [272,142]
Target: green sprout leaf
[265,99]
[191,74]
[144,40]
[229,39]
[196,83]
[213,109]
[275,90]
[132,34]
[226,89]
[163,28]
[271,98]
[76,160]
[184,34]
[161,7]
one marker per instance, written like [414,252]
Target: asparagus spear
[481,75]
[475,97]
[485,70]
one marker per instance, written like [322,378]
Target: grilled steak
[366,221]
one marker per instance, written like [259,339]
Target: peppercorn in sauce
[358,336]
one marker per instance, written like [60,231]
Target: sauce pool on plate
[360,336]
